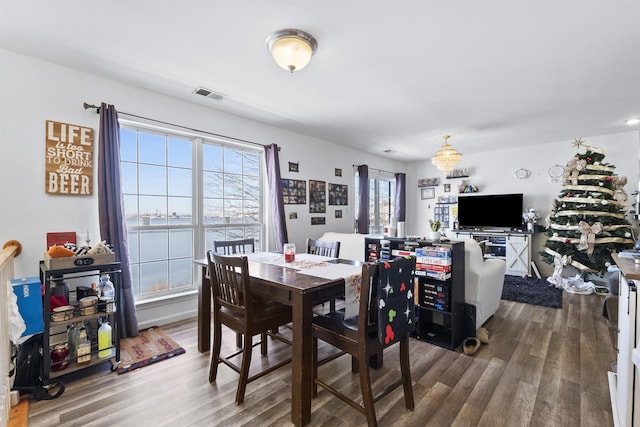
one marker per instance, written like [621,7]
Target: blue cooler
[29,295]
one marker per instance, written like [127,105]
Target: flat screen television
[497,211]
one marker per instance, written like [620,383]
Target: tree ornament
[588,237]
[572,171]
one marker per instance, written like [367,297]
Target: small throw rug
[150,346]
[532,291]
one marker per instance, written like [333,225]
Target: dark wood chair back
[236,307]
[231,247]
[323,247]
[230,283]
[385,317]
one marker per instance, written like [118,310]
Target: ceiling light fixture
[292,49]
[633,121]
[447,157]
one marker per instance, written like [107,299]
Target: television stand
[514,247]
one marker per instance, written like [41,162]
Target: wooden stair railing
[10,250]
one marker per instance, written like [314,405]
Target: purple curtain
[363,199]
[275,188]
[401,198]
[111,210]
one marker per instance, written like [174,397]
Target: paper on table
[351,275]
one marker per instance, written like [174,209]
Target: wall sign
[69,159]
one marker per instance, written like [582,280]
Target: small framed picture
[317,220]
[427,193]
[293,215]
[338,213]
[447,188]
[338,172]
[293,167]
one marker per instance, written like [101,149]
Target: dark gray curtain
[275,188]
[401,197]
[111,211]
[363,199]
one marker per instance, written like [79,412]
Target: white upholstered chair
[484,278]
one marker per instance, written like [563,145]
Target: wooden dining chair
[232,247]
[386,317]
[235,307]
[325,248]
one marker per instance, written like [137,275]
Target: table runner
[318,266]
[351,275]
[302,261]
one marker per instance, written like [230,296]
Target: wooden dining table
[301,292]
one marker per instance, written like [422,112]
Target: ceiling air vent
[209,93]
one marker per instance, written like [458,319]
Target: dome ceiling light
[292,49]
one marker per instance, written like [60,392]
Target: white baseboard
[162,312]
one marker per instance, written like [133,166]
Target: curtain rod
[97,108]
[379,170]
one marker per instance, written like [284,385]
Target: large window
[382,190]
[180,194]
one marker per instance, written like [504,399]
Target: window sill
[160,300]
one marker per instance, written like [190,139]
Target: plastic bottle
[106,288]
[107,293]
[104,340]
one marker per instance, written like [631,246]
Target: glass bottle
[83,349]
[72,339]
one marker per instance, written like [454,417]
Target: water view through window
[172,216]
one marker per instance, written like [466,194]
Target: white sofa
[351,244]
[484,279]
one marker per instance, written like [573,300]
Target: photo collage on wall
[442,213]
[294,192]
[338,194]
[317,196]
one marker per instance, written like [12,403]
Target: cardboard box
[29,293]
[77,261]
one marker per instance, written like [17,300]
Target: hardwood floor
[542,367]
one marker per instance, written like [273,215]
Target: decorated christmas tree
[587,222]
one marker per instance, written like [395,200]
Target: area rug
[150,346]
[532,291]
